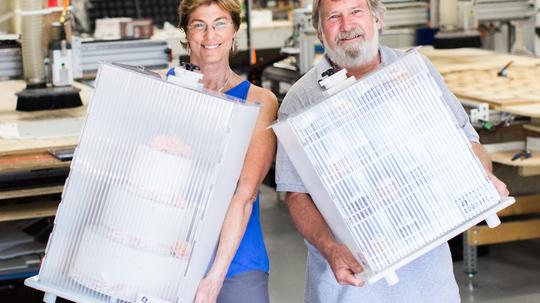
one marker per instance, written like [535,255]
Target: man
[349,31]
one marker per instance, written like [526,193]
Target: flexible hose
[33,52]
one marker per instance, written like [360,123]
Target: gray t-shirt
[429,278]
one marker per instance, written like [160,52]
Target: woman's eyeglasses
[201,27]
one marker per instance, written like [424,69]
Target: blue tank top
[251,254]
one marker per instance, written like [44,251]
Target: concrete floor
[509,274]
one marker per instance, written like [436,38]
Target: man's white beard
[353,55]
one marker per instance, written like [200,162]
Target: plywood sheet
[19,146]
[26,162]
[521,86]
[462,59]
[31,192]
[527,110]
[472,74]
[532,127]
[28,211]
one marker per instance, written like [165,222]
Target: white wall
[5,8]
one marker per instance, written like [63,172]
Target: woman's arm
[256,165]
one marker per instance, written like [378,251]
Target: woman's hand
[208,289]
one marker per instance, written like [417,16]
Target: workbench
[474,77]
[31,179]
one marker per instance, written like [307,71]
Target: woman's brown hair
[187,7]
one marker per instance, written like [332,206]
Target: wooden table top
[471,74]
[9,115]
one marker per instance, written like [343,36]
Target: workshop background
[488,52]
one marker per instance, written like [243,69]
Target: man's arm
[310,223]
[484,158]
[463,121]
[304,214]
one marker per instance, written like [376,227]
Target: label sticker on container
[142,298]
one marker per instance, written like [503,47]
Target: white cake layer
[144,221]
[159,174]
[123,272]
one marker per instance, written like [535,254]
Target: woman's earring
[234,46]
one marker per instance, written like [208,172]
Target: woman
[239,272]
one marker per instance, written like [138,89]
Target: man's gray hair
[375,6]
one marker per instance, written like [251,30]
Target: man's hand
[310,223]
[344,265]
[482,154]
[499,185]
[208,289]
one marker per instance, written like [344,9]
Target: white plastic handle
[493,221]
[49,297]
[186,78]
[334,79]
[392,278]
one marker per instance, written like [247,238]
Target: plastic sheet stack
[389,168]
[150,183]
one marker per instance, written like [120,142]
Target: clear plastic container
[149,186]
[389,168]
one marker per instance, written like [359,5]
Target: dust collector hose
[32,48]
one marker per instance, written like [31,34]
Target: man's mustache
[349,34]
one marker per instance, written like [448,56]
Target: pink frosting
[171,145]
